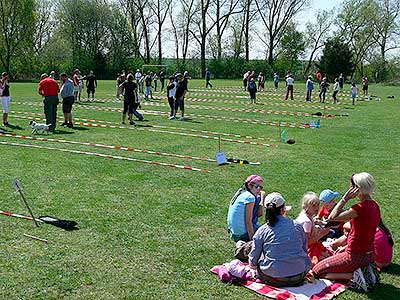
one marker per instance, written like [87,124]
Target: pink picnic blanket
[322,290]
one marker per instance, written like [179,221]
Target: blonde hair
[309,199]
[365,182]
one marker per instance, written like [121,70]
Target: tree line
[109,35]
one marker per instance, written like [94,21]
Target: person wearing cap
[242,207]
[327,198]
[279,252]
[336,89]
[52,74]
[289,86]
[49,89]
[5,97]
[364,218]
[310,88]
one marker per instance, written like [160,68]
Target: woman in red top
[364,218]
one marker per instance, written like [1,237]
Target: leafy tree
[16,31]
[292,46]
[336,58]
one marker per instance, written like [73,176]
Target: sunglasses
[256,185]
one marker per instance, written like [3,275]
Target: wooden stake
[36,238]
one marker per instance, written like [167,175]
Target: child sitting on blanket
[245,209]
[310,207]
[327,198]
[279,247]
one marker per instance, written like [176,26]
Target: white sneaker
[171,117]
[358,282]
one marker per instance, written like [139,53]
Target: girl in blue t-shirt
[245,208]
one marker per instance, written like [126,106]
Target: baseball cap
[327,195]
[277,199]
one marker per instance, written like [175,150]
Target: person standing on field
[181,89]
[324,85]
[252,88]
[289,86]
[310,88]
[336,89]
[67,94]
[5,97]
[276,81]
[171,88]
[49,89]
[91,84]
[208,78]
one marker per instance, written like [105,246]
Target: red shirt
[323,213]
[363,227]
[48,87]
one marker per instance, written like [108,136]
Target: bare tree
[200,30]
[224,9]
[129,9]
[355,28]
[44,26]
[160,9]
[386,22]
[317,33]
[275,16]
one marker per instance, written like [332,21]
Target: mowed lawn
[151,231]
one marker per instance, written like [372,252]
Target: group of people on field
[249,85]
[70,90]
[133,86]
[326,240]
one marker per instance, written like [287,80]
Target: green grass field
[153,232]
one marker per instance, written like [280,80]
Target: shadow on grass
[143,125]
[384,292]
[58,131]
[189,120]
[80,128]
[15,127]
[393,269]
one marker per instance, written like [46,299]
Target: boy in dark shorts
[67,94]
[91,84]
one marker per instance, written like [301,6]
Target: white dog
[36,127]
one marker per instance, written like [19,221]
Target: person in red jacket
[49,89]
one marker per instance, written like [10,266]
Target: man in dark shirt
[181,89]
[91,84]
[131,101]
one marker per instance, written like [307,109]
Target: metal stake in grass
[36,238]
[18,187]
